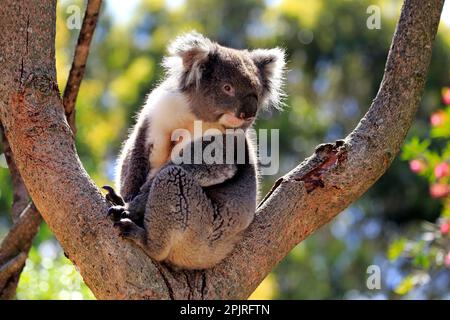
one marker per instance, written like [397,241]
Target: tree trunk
[301,202]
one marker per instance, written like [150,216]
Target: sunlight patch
[3,163]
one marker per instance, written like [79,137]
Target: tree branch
[305,199]
[14,250]
[20,194]
[79,60]
[26,219]
[339,173]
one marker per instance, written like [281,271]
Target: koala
[190,215]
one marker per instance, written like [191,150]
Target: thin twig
[21,233]
[79,60]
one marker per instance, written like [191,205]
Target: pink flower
[446,96]
[447,259]
[439,190]
[441,170]
[437,118]
[417,166]
[445,227]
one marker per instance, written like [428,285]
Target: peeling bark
[331,155]
[304,200]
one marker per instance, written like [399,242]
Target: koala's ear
[271,65]
[193,49]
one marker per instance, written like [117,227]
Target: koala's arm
[208,174]
[134,162]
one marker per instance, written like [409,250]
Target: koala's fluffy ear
[271,64]
[187,53]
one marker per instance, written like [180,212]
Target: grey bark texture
[305,199]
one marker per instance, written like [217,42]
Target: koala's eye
[228,89]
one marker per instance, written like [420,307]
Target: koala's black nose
[248,108]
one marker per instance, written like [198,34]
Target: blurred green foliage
[335,66]
[49,275]
[427,255]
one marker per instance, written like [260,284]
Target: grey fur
[191,215]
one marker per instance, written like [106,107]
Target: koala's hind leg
[178,212]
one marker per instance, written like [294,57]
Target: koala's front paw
[115,213]
[216,175]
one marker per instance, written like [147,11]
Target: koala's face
[226,85]
[230,89]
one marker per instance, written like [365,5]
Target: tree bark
[20,194]
[14,250]
[301,202]
[26,220]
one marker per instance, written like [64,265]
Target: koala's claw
[113,197]
[126,227]
[115,213]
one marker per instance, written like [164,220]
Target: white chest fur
[168,111]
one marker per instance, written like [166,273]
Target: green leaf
[415,148]
[396,249]
[422,261]
[405,286]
